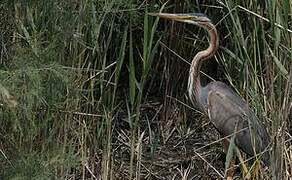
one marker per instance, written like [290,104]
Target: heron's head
[190,18]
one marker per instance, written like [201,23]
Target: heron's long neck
[194,84]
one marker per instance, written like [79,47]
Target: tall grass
[96,89]
[264,59]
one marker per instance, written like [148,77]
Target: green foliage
[37,165]
[83,73]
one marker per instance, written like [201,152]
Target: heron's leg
[231,168]
[246,172]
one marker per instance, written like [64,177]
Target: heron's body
[226,109]
[230,113]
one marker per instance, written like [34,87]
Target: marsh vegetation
[101,86]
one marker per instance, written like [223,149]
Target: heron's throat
[194,83]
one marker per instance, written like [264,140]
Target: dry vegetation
[101,88]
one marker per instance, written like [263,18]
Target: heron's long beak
[188,18]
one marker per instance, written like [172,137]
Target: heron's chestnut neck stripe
[194,78]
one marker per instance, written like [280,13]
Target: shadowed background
[101,87]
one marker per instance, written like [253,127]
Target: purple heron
[228,112]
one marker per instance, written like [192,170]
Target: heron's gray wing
[228,112]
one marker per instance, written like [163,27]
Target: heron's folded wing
[229,117]
[230,113]
[226,112]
